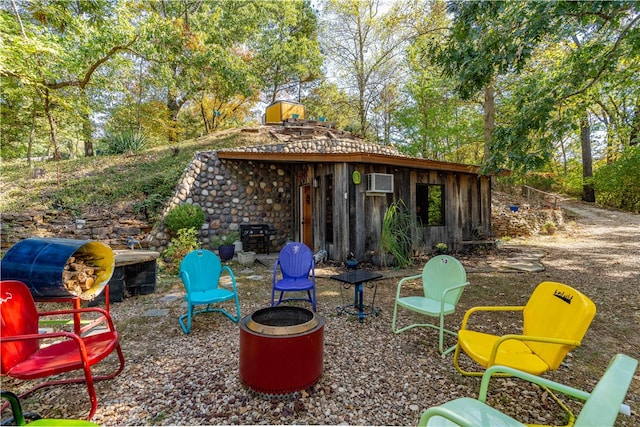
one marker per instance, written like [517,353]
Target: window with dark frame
[430,204]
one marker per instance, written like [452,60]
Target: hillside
[109,198]
[79,184]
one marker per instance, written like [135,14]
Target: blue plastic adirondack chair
[297,271]
[200,272]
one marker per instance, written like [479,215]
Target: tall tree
[56,48]
[362,40]
[490,39]
[287,50]
[433,121]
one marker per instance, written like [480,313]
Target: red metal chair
[24,358]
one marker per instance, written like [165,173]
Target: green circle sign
[356,177]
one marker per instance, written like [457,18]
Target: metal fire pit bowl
[281,350]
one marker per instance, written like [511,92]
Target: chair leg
[441,330]
[312,299]
[456,356]
[393,322]
[186,328]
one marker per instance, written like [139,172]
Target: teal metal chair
[443,280]
[19,418]
[200,272]
[601,406]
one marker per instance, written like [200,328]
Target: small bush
[185,216]
[225,239]
[180,246]
[150,206]
[618,184]
[125,142]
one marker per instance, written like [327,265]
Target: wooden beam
[371,158]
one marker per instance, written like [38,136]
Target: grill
[255,235]
[281,350]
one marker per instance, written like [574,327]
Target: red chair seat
[65,357]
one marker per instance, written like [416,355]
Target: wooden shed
[279,111]
[338,189]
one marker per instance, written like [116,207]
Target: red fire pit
[281,350]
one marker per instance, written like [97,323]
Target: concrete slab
[156,312]
[170,298]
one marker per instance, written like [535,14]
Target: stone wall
[234,193]
[529,219]
[112,225]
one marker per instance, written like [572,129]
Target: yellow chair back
[556,310]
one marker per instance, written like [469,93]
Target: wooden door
[306,211]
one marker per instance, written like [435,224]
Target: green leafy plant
[185,242]
[617,184]
[396,234]
[124,142]
[225,239]
[441,248]
[184,216]
[549,227]
[150,206]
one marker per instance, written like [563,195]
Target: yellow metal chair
[443,280]
[600,408]
[555,319]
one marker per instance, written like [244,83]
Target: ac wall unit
[380,183]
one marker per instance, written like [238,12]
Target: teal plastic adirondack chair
[600,409]
[200,272]
[443,280]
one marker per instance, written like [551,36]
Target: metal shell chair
[24,357]
[200,272]
[297,274]
[555,319]
[20,418]
[601,406]
[443,280]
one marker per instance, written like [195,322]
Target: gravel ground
[371,376]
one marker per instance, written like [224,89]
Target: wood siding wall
[357,216]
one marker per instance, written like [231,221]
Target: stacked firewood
[80,273]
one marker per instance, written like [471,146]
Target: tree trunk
[634,136]
[588,193]
[489,118]
[52,125]
[204,116]
[32,133]
[174,108]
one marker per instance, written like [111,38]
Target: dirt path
[598,252]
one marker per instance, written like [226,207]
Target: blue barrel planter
[40,263]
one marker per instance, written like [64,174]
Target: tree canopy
[537,87]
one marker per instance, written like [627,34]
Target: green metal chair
[200,271]
[20,418]
[443,280]
[601,406]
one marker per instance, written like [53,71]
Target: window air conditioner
[380,183]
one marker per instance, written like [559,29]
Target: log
[79,273]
